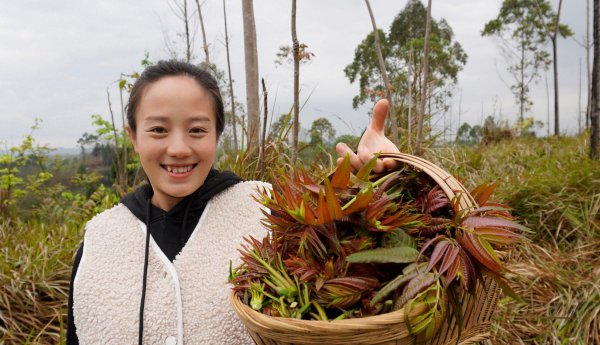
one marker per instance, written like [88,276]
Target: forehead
[174,97]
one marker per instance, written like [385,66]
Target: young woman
[153,269]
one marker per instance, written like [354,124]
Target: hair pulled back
[171,68]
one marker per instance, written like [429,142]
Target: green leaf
[397,238]
[360,201]
[392,286]
[385,255]
[365,170]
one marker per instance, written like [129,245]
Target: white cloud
[58,57]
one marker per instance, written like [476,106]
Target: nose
[178,146]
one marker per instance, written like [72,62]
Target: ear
[132,137]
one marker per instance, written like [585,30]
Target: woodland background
[550,177]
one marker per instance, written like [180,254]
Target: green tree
[469,136]
[13,161]
[321,132]
[403,47]
[280,129]
[522,28]
[349,139]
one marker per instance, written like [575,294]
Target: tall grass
[34,280]
[37,257]
[554,187]
[550,184]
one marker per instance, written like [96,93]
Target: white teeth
[179,170]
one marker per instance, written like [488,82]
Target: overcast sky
[57,59]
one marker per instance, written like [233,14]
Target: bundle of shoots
[362,244]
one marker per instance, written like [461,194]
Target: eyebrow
[160,118]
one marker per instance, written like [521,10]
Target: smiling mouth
[178,169]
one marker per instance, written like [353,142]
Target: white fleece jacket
[186,300]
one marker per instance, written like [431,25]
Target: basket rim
[391,317]
[386,327]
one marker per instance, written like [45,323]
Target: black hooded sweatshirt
[169,229]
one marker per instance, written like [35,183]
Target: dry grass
[555,189]
[34,281]
[561,292]
[550,183]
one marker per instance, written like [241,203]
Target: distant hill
[65,151]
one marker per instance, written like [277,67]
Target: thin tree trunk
[555,70]
[205,45]
[595,114]
[188,48]
[124,148]
[263,137]
[296,48]
[424,82]
[522,86]
[547,105]
[119,168]
[579,102]
[388,86]
[410,96]
[251,59]
[459,110]
[588,46]
[233,117]
[554,38]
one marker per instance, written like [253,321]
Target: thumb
[380,111]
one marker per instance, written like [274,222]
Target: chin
[182,192]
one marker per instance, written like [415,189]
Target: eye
[198,130]
[157,130]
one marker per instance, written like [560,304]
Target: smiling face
[176,137]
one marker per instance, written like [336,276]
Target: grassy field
[555,189]
[550,184]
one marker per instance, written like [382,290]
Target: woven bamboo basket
[384,329]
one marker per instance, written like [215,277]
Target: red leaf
[486,222]
[333,205]
[341,177]
[472,245]
[482,193]
[360,201]
[449,260]
[438,253]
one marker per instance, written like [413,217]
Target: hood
[171,229]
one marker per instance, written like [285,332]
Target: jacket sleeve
[71,331]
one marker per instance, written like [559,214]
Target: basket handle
[450,185]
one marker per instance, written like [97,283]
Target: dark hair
[166,68]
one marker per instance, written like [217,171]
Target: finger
[365,156]
[343,150]
[380,111]
[379,167]
[390,164]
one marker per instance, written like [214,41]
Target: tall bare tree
[595,114]
[180,10]
[188,47]
[204,44]
[553,27]
[588,46]
[553,39]
[233,118]
[296,53]
[251,59]
[423,98]
[263,136]
[384,75]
